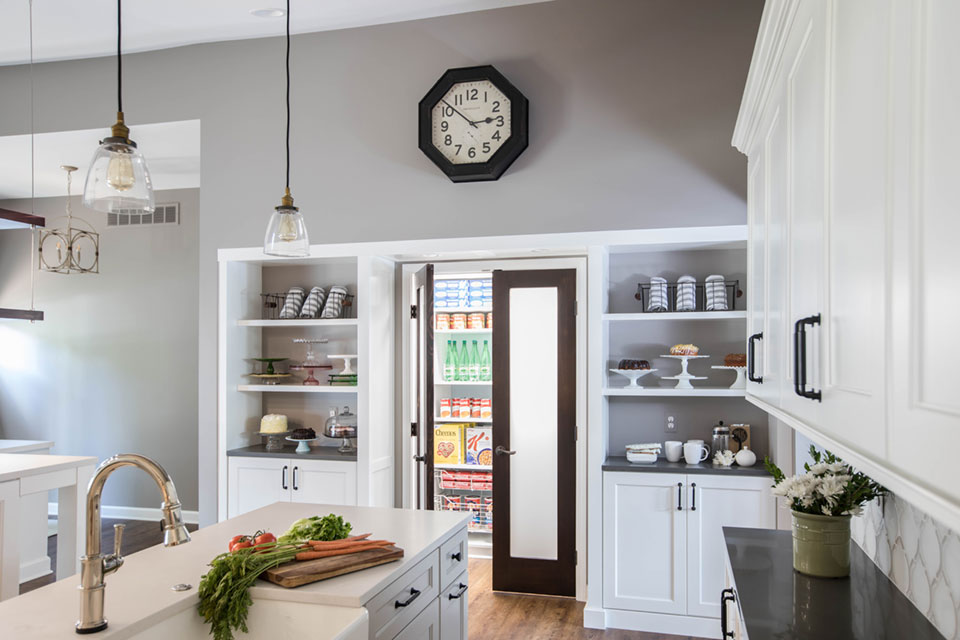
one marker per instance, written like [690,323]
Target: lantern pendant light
[118,178]
[286,233]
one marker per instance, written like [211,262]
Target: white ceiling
[172,151]
[65,29]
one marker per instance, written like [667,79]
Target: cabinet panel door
[324,482]
[859,218]
[715,502]
[926,303]
[756,270]
[644,542]
[805,83]
[256,482]
[776,336]
[453,610]
[425,626]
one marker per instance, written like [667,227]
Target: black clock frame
[511,149]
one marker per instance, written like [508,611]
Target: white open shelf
[463,310]
[462,420]
[461,383]
[461,331]
[295,388]
[337,322]
[661,392]
[675,315]
[464,467]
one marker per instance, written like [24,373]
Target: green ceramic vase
[821,545]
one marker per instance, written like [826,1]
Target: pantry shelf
[462,420]
[667,392]
[317,322]
[465,467]
[675,315]
[462,331]
[295,388]
[462,383]
[462,309]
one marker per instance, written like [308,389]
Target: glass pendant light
[118,178]
[286,233]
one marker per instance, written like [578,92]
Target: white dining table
[23,475]
[34,530]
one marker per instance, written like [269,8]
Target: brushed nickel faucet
[94,566]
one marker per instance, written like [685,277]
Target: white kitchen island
[141,604]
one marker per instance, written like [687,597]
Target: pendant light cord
[119,65]
[288,96]
[33,189]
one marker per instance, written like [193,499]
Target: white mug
[673,450]
[698,441]
[695,452]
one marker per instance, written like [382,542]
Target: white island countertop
[139,595]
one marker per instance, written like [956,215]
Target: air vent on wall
[163,214]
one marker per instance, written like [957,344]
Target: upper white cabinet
[849,122]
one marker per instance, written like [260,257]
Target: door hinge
[576,557]
[413,312]
[576,432]
[414,429]
[576,307]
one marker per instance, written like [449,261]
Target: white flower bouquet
[830,487]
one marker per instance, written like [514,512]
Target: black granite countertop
[316,453]
[777,603]
[619,463]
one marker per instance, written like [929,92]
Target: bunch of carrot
[353,544]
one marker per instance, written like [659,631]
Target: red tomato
[243,544]
[235,540]
[264,538]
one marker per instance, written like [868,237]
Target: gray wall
[632,109]
[112,367]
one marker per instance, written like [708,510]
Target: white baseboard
[134,513]
[662,623]
[33,569]
[594,618]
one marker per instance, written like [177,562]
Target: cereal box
[479,445]
[448,444]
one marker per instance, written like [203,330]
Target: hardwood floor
[493,616]
[508,616]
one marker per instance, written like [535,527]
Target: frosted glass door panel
[533,422]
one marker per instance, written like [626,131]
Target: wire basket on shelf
[479,509]
[272,305]
[731,291]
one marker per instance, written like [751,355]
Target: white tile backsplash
[920,555]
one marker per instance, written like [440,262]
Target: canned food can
[475,321]
[458,321]
[475,409]
[443,322]
[486,408]
[445,408]
[463,408]
[490,320]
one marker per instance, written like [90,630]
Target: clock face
[471,122]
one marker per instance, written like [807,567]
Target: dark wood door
[534,433]
[421,429]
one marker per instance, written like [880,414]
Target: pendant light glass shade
[118,179]
[286,233]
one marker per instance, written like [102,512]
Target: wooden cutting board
[294,574]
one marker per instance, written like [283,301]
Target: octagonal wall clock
[473,124]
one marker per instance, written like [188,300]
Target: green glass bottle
[474,365]
[463,363]
[486,370]
[450,363]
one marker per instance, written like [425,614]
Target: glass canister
[342,424]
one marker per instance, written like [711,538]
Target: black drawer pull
[458,594]
[283,477]
[458,556]
[800,357]
[752,358]
[725,596]
[413,596]
[693,494]
[679,496]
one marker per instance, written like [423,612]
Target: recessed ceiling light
[268,13]
[431,255]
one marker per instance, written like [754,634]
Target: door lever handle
[502,451]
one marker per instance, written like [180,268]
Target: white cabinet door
[644,542]
[714,502]
[926,298]
[426,626]
[756,272]
[805,86]
[323,481]
[453,610]
[256,482]
[858,226]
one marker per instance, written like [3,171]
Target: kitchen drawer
[453,558]
[453,609]
[417,587]
[426,626]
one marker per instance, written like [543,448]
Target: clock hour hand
[472,123]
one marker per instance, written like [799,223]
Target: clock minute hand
[472,123]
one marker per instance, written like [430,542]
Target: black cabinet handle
[800,357]
[679,496]
[693,494]
[458,594]
[725,596]
[458,556]
[413,596]
[752,358]
[283,478]
[295,486]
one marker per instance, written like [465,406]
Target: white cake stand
[683,380]
[741,381]
[347,358]
[303,446]
[633,375]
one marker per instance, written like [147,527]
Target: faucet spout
[94,565]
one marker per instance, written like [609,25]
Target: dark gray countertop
[619,463]
[779,603]
[316,453]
